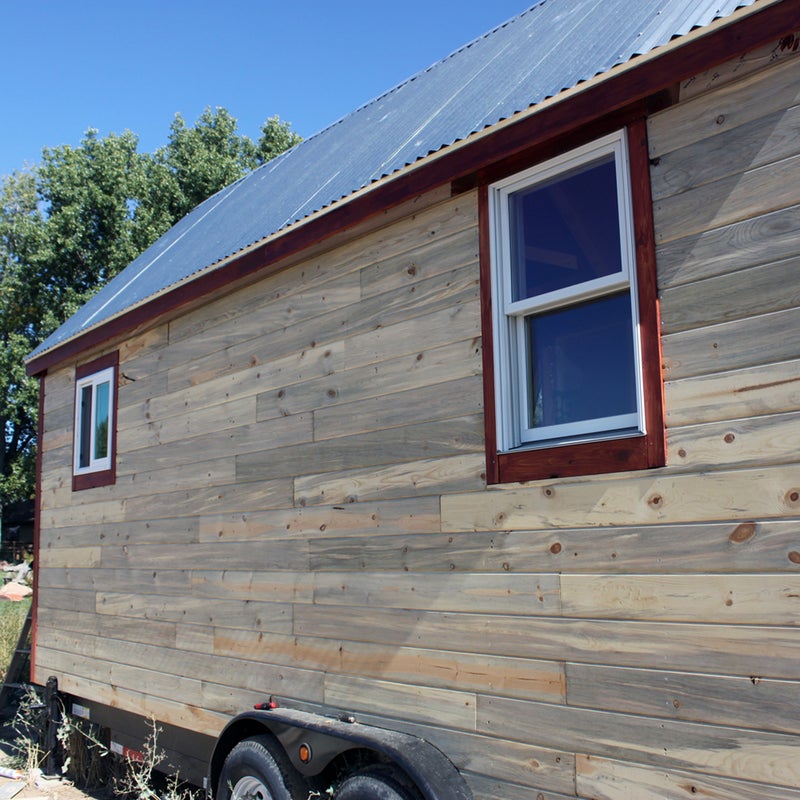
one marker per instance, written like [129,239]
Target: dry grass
[12,618]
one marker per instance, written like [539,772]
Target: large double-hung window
[567,356]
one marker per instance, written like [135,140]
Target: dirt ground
[35,786]
[38,788]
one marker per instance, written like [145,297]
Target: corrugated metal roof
[553,46]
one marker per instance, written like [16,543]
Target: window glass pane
[565,231]
[581,362]
[85,433]
[101,421]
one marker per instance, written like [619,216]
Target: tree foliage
[74,221]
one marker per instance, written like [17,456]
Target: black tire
[258,769]
[376,783]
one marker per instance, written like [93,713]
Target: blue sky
[115,65]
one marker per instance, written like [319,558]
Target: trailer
[454,453]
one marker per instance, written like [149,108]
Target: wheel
[376,783]
[258,769]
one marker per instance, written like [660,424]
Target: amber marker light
[304,753]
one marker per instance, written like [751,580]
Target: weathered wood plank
[274,433]
[375,448]
[507,763]
[411,479]
[425,368]
[75,599]
[633,500]
[758,240]
[529,678]
[86,627]
[290,554]
[191,476]
[320,339]
[169,581]
[733,345]
[374,519]
[770,287]
[739,547]
[433,258]
[493,789]
[438,401]
[732,199]
[742,650]
[728,107]
[415,702]
[771,439]
[737,68]
[72,557]
[750,599]
[160,686]
[755,391]
[606,779]
[254,616]
[205,500]
[727,752]
[280,357]
[475,593]
[252,675]
[175,531]
[169,711]
[211,419]
[754,144]
[751,702]
[274,586]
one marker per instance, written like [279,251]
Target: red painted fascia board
[630,85]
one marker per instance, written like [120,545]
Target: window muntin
[567,360]
[94,401]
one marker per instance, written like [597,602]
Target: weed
[29,724]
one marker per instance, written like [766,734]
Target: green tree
[276,138]
[72,223]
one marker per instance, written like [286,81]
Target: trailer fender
[312,742]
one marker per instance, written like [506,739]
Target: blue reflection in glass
[581,362]
[566,231]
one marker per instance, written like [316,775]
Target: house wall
[300,506]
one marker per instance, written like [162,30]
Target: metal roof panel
[553,46]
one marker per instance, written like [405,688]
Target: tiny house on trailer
[467,431]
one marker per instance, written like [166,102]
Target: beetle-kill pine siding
[300,507]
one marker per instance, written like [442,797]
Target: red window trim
[603,456]
[103,477]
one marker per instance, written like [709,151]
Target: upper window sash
[513,307]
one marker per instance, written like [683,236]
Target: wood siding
[300,506]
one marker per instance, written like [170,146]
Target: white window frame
[94,380]
[509,316]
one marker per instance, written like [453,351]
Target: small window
[567,355]
[95,413]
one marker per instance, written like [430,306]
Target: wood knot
[793,495]
[742,533]
[729,438]
[655,501]
[555,548]
[548,492]
[794,557]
